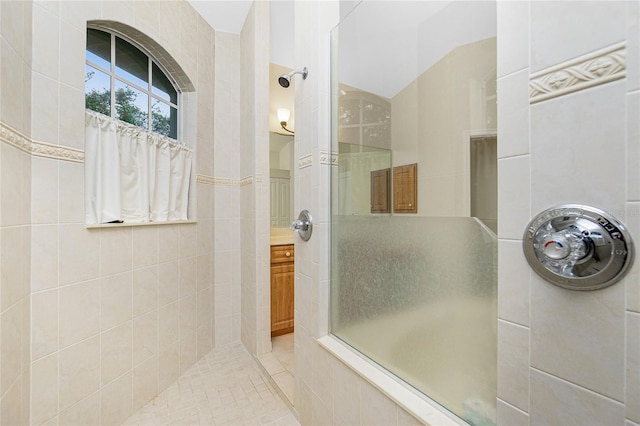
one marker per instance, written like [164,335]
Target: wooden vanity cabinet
[282,295]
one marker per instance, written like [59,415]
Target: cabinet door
[405,189]
[380,191]
[282,296]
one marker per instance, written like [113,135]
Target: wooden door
[405,189]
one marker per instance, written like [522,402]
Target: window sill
[124,224]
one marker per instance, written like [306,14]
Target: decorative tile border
[40,149]
[305,161]
[328,158]
[43,149]
[210,180]
[596,68]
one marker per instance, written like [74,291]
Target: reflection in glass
[131,63]
[163,118]
[97,91]
[349,112]
[131,105]
[162,87]
[99,48]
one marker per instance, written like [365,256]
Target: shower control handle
[578,247]
[303,225]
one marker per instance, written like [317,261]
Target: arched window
[124,82]
[135,169]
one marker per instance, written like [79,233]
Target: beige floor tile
[226,387]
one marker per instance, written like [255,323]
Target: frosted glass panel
[415,291]
[418,296]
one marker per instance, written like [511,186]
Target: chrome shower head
[285,79]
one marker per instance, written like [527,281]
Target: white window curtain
[133,175]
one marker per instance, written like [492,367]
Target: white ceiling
[223,15]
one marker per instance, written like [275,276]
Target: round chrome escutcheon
[578,247]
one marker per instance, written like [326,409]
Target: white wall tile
[169,365]
[12,107]
[85,412]
[44,112]
[44,323]
[145,382]
[187,351]
[557,402]
[168,325]
[116,405]
[168,248]
[11,405]
[115,352]
[633,45]
[633,147]
[44,389]
[204,271]
[79,254]
[513,36]
[510,415]
[145,246]
[188,240]
[44,257]
[79,312]
[513,196]
[10,352]
[632,280]
[514,277]
[513,364]
[77,13]
[145,290]
[115,299]
[71,192]
[115,250]
[145,337]
[560,129]
[513,109]
[346,394]
[120,11]
[14,16]
[12,195]
[168,282]
[376,409]
[13,284]
[188,276]
[188,315]
[72,54]
[579,335]
[44,190]
[71,124]
[632,396]
[565,30]
[79,372]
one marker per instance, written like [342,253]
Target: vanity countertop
[281,236]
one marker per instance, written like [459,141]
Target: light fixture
[283,117]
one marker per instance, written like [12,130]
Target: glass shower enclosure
[413,214]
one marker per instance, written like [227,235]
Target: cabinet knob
[288,254]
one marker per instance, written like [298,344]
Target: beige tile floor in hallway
[226,387]
[279,363]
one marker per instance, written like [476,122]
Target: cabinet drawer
[282,254]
